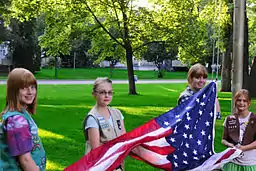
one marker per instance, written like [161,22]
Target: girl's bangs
[199,73]
[28,79]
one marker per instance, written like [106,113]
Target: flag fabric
[180,139]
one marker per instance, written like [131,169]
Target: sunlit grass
[145,110]
[51,166]
[48,134]
[62,108]
[66,106]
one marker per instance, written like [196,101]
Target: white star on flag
[166,123]
[203,132]
[202,104]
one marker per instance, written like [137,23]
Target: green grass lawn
[61,109]
[93,73]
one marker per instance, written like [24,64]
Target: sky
[142,3]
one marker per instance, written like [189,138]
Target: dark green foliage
[24,45]
[3,31]
[158,52]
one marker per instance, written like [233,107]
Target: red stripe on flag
[160,150]
[88,161]
[167,166]
[226,155]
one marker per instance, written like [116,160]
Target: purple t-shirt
[19,139]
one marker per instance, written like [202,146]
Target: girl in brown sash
[240,132]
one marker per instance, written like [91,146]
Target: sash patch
[119,124]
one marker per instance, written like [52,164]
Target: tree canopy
[124,28]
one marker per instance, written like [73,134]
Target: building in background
[5,58]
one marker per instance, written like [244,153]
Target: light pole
[238,45]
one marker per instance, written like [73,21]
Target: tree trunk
[227,62]
[111,66]
[246,53]
[129,52]
[132,88]
[56,67]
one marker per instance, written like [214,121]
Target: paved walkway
[114,81]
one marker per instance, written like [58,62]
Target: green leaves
[115,25]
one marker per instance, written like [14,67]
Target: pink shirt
[19,139]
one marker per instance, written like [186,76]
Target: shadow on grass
[62,133]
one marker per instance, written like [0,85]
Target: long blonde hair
[19,78]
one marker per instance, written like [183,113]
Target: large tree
[132,23]
[185,23]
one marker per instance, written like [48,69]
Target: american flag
[180,139]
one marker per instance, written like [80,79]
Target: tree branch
[102,26]
[145,44]
[117,19]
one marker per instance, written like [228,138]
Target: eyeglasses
[104,93]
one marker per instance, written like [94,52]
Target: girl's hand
[242,147]
[226,143]
[231,145]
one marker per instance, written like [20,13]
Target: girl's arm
[27,163]
[225,135]
[217,105]
[123,127]
[123,132]
[94,137]
[226,143]
[248,147]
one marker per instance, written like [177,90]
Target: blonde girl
[103,123]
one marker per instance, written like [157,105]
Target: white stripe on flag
[107,163]
[150,156]
[209,164]
[159,142]
[117,146]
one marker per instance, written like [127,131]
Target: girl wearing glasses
[103,123]
[197,76]
[240,132]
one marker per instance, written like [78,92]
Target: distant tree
[3,9]
[3,31]
[112,62]
[24,45]
[107,49]
[80,54]
[157,53]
